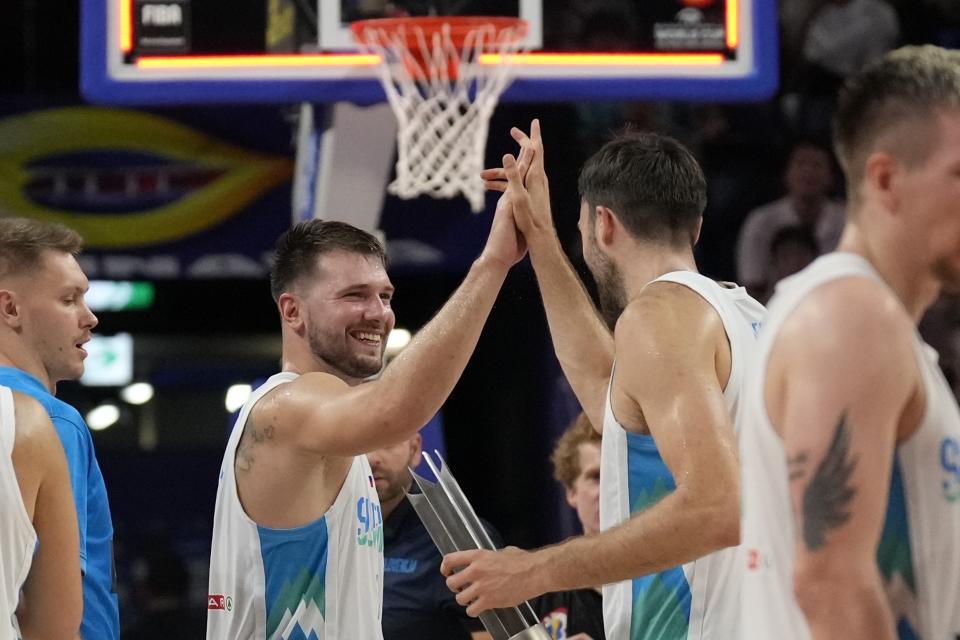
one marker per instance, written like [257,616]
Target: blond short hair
[906,88]
[23,242]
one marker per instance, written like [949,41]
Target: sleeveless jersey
[101,618]
[698,600]
[919,552]
[17,536]
[320,581]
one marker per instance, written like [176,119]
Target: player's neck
[19,359]
[646,264]
[905,272]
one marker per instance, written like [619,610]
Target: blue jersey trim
[101,618]
[894,554]
[661,601]
[295,570]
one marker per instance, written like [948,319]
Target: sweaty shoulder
[287,402]
[665,309]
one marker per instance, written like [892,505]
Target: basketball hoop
[442,95]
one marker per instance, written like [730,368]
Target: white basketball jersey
[321,581]
[699,600]
[919,552]
[17,536]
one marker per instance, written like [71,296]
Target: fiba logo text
[950,461]
[369,524]
[162,15]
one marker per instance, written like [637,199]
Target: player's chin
[368,365]
[72,370]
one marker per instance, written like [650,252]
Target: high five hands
[483,579]
[523,181]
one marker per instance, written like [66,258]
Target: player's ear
[882,178]
[291,311]
[606,225]
[9,309]
[696,231]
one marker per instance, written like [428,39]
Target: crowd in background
[776,196]
[776,193]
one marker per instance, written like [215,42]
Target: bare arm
[52,601]
[583,343]
[671,376]
[321,413]
[837,406]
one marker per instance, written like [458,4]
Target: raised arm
[321,413]
[52,601]
[837,398]
[672,338]
[583,343]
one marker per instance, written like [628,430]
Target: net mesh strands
[442,95]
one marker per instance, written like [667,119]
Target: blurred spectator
[791,249]
[161,592]
[809,179]
[611,26]
[835,38]
[845,35]
[576,615]
[795,19]
[416,601]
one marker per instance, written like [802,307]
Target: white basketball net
[442,121]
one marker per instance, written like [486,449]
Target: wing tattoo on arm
[826,500]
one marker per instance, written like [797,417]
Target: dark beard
[399,485]
[340,358]
[610,292]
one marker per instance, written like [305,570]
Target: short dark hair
[24,240]
[298,248]
[908,85]
[651,182]
[566,453]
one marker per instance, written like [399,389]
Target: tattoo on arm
[251,436]
[826,500]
